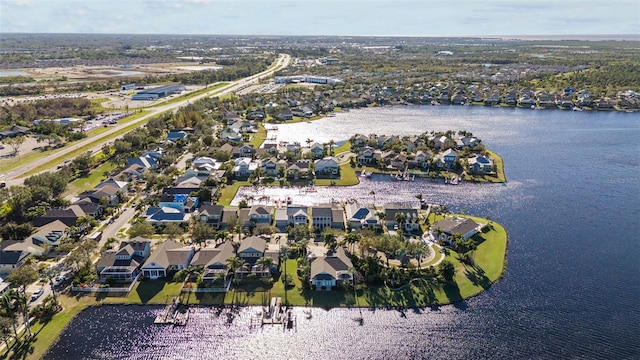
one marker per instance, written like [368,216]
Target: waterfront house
[297,215]
[281,220]
[244,167]
[401,216]
[331,270]
[480,165]
[256,215]
[171,255]
[269,167]
[447,159]
[366,155]
[214,261]
[317,150]
[284,115]
[250,250]
[359,217]
[442,230]
[321,217]
[124,264]
[327,166]
[301,169]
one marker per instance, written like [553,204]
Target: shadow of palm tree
[477,277]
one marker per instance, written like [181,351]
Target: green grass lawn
[259,137]
[348,177]
[229,192]
[94,178]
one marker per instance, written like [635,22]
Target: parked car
[37,294]
[59,281]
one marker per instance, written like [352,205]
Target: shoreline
[490,261]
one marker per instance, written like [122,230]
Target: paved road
[99,140]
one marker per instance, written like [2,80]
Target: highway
[99,140]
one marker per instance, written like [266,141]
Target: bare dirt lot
[81,72]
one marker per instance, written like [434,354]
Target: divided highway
[99,140]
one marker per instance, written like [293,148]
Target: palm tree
[265,262]
[234,263]
[330,240]
[309,141]
[331,144]
[351,238]
[400,219]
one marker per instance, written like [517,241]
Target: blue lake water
[572,284]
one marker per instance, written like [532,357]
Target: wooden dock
[174,313]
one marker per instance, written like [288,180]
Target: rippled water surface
[572,285]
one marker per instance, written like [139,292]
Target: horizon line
[584,37]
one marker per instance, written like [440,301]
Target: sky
[323,17]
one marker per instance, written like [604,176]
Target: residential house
[366,155]
[182,202]
[69,215]
[447,159]
[165,215]
[301,169]
[281,220]
[401,216]
[270,148]
[321,217]
[124,264]
[480,165]
[420,159]
[230,135]
[269,167]
[206,162]
[244,167]
[284,115]
[211,215]
[359,217]
[331,270]
[147,162]
[360,140]
[214,262]
[298,215]
[250,250]
[13,253]
[121,186]
[327,166]
[50,234]
[317,150]
[174,136]
[442,230]
[256,215]
[171,255]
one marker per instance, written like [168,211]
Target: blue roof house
[182,202]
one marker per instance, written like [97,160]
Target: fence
[107,289]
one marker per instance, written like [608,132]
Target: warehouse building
[156,93]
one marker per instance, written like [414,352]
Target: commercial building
[158,92]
